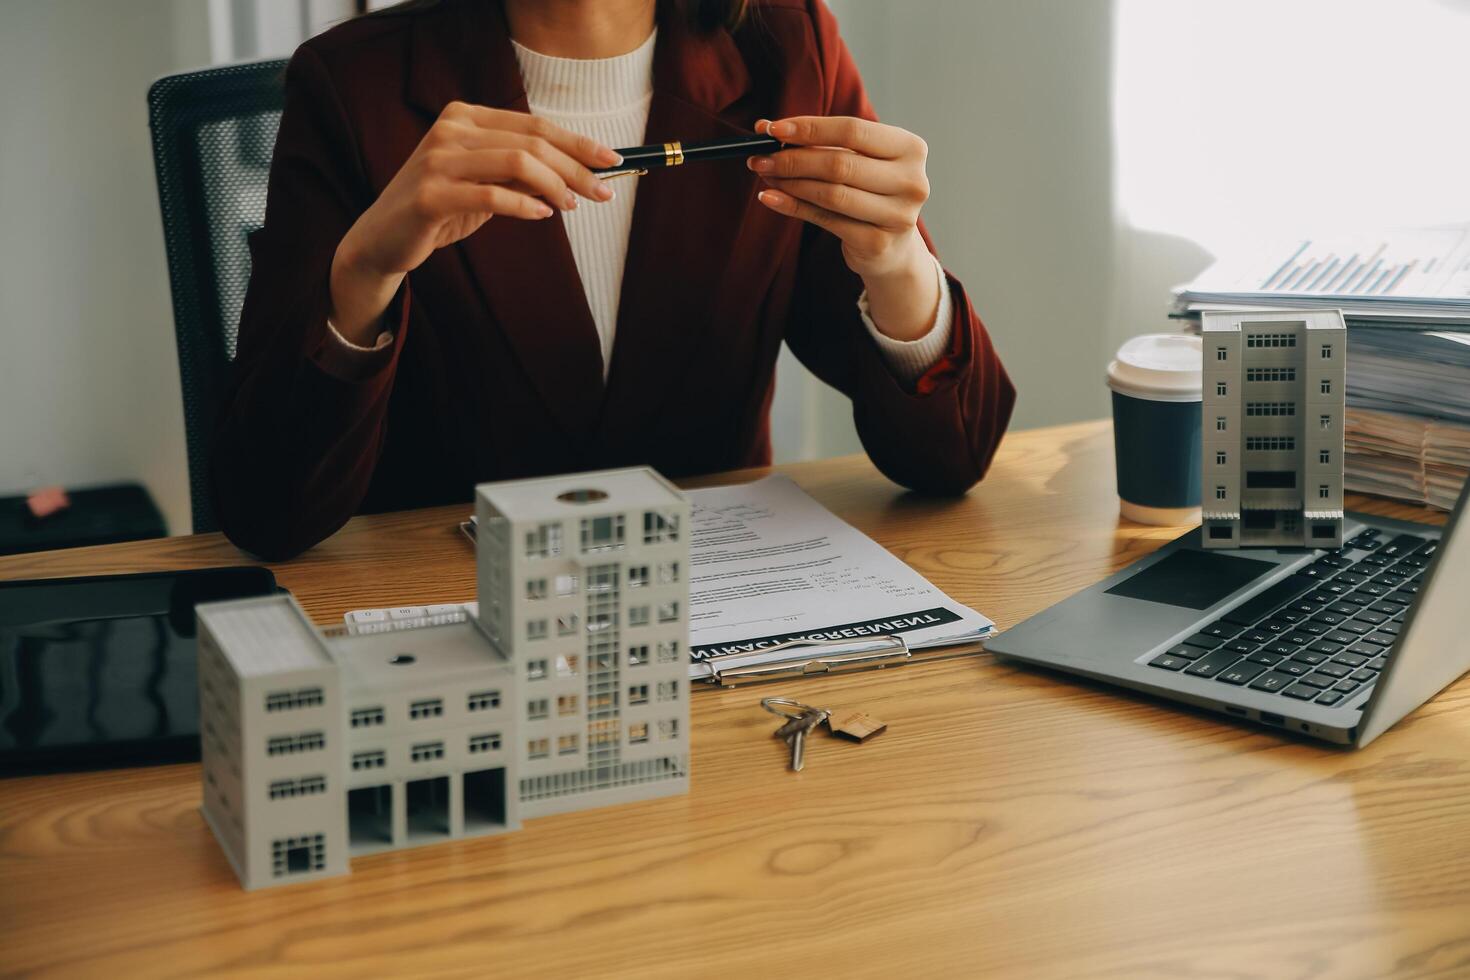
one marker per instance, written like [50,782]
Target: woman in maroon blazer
[417,320]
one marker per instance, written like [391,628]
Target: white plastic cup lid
[1158,366]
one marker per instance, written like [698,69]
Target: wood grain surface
[1010,822]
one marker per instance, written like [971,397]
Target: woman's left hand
[865,183]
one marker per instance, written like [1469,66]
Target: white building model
[1273,429]
[569,691]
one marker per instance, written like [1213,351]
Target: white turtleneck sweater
[608,99]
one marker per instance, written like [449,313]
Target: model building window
[1324,455]
[1219,387]
[1222,354]
[658,527]
[536,589]
[668,653]
[568,666]
[291,744]
[637,576]
[638,694]
[538,708]
[637,615]
[1270,374]
[567,625]
[536,670]
[1270,408]
[668,728]
[428,708]
[1220,458]
[544,541]
[1270,443]
[602,533]
[602,579]
[427,752]
[298,855]
[1324,491]
[1219,493]
[1325,421]
[488,742]
[566,704]
[566,585]
[305,786]
[668,612]
[367,717]
[535,629]
[1326,352]
[668,572]
[638,656]
[483,700]
[599,621]
[638,733]
[1219,423]
[566,745]
[374,759]
[538,748]
[306,697]
[1326,386]
[668,690]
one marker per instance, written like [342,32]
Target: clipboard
[806,661]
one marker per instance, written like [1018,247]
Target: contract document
[771,566]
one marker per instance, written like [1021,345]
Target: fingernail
[762,126]
[604,192]
[781,130]
[761,165]
[542,210]
[772,199]
[570,203]
[609,158]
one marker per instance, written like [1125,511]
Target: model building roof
[576,494]
[401,658]
[1230,321]
[264,636]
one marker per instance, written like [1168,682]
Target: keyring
[775,706]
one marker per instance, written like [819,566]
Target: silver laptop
[1337,645]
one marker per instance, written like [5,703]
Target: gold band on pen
[673,154]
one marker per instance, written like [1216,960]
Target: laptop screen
[1434,645]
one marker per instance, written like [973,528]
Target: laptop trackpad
[1192,579]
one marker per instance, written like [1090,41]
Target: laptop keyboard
[1321,635]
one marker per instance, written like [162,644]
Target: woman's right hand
[473,164]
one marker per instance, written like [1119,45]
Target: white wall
[89,388]
[1012,97]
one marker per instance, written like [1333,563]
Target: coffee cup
[1155,380]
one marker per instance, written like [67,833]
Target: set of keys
[801,719]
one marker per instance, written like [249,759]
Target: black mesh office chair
[213,133]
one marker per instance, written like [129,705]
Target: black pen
[638,160]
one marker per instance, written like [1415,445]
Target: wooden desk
[1010,822]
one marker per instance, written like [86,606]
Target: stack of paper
[1413,278]
[1405,456]
[1406,298]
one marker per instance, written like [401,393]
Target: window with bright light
[1253,91]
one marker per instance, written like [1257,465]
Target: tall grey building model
[569,690]
[1273,429]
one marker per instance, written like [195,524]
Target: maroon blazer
[495,371]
